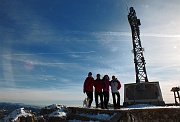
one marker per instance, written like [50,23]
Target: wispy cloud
[43,58]
[160,35]
[19,54]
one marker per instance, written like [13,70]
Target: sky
[48,47]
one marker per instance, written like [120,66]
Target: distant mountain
[4,104]
[6,108]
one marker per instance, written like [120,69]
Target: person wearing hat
[88,88]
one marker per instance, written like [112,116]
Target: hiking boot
[117,107]
[102,107]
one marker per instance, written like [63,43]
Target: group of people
[102,89]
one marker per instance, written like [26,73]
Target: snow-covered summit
[55,110]
[55,106]
[13,116]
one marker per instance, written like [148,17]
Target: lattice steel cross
[140,69]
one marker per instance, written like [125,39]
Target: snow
[15,114]
[146,106]
[137,106]
[58,113]
[53,106]
[61,112]
[99,116]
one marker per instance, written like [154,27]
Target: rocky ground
[59,113]
[136,115]
[151,115]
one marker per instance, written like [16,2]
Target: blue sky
[48,47]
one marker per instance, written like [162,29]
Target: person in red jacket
[106,84]
[88,88]
[98,90]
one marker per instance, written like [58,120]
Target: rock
[56,119]
[54,113]
[26,119]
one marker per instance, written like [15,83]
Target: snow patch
[13,116]
[99,116]
[58,113]
[146,106]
